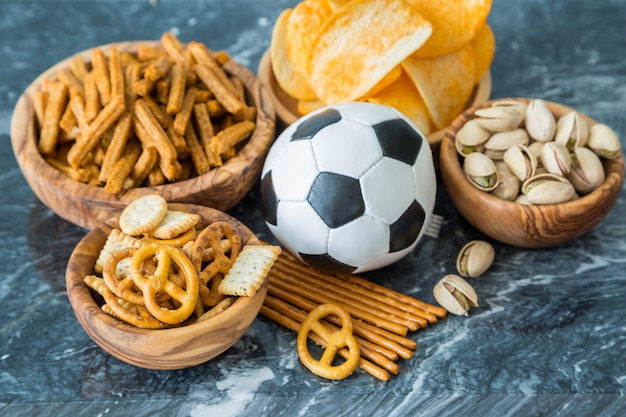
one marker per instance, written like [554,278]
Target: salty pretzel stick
[166,168]
[173,47]
[78,174]
[369,367]
[101,74]
[206,132]
[177,89]
[177,140]
[203,56]
[78,108]
[116,73]
[92,97]
[148,52]
[57,99]
[131,75]
[231,136]
[403,346]
[123,167]
[198,156]
[380,289]
[147,160]
[154,129]
[79,68]
[367,349]
[157,69]
[116,147]
[90,137]
[219,308]
[74,86]
[333,283]
[223,94]
[278,279]
[68,124]
[182,117]
[39,105]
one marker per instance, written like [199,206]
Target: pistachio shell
[523,200]
[455,295]
[508,186]
[604,141]
[475,258]
[587,172]
[470,138]
[535,148]
[499,142]
[481,171]
[540,122]
[548,189]
[521,161]
[499,118]
[555,158]
[572,130]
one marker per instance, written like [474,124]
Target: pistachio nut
[508,186]
[481,171]
[475,258]
[540,122]
[555,158]
[604,141]
[548,189]
[572,130]
[521,161]
[587,172]
[500,118]
[471,138]
[499,142]
[523,200]
[455,295]
[535,148]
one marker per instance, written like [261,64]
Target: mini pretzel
[334,341]
[153,284]
[212,236]
[118,308]
[122,287]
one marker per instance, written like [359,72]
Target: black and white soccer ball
[349,188]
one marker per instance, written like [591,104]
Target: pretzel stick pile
[381,316]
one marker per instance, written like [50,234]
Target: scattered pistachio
[455,295]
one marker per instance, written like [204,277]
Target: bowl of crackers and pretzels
[168,285]
[112,123]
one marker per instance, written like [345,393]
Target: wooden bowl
[526,226]
[87,206]
[174,348]
[287,107]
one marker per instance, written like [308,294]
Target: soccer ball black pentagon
[349,188]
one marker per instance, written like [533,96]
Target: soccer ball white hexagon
[349,188]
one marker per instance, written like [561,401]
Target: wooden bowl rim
[78,291]
[32,161]
[480,94]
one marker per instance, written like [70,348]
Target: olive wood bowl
[287,107]
[87,205]
[173,348]
[526,226]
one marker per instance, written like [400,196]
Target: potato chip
[286,75]
[305,22]
[387,80]
[445,82]
[403,96]
[308,106]
[454,23]
[484,46]
[360,44]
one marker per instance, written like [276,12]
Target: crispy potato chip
[454,23]
[484,46]
[305,22]
[360,44]
[308,106]
[286,75]
[445,82]
[403,96]
[387,80]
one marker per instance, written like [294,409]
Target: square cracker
[115,241]
[246,275]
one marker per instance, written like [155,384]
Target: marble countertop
[547,340]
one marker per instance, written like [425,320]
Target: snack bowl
[171,348]
[520,225]
[88,205]
[287,107]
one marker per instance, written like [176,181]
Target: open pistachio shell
[471,138]
[540,122]
[548,189]
[500,118]
[604,141]
[587,172]
[475,258]
[455,295]
[572,130]
[508,186]
[499,142]
[555,158]
[521,161]
[481,171]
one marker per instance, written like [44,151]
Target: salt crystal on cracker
[246,275]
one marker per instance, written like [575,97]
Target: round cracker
[143,214]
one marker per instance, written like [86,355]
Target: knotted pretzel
[123,287]
[334,341]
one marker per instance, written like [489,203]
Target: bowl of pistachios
[531,173]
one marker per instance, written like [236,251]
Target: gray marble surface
[547,340]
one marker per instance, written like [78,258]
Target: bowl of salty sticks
[112,123]
[168,285]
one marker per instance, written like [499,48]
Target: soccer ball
[349,188]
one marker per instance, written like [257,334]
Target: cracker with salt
[174,223]
[143,214]
[246,275]
[115,241]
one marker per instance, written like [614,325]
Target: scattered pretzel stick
[57,98]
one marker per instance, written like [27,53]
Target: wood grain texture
[534,226]
[174,348]
[287,107]
[88,206]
